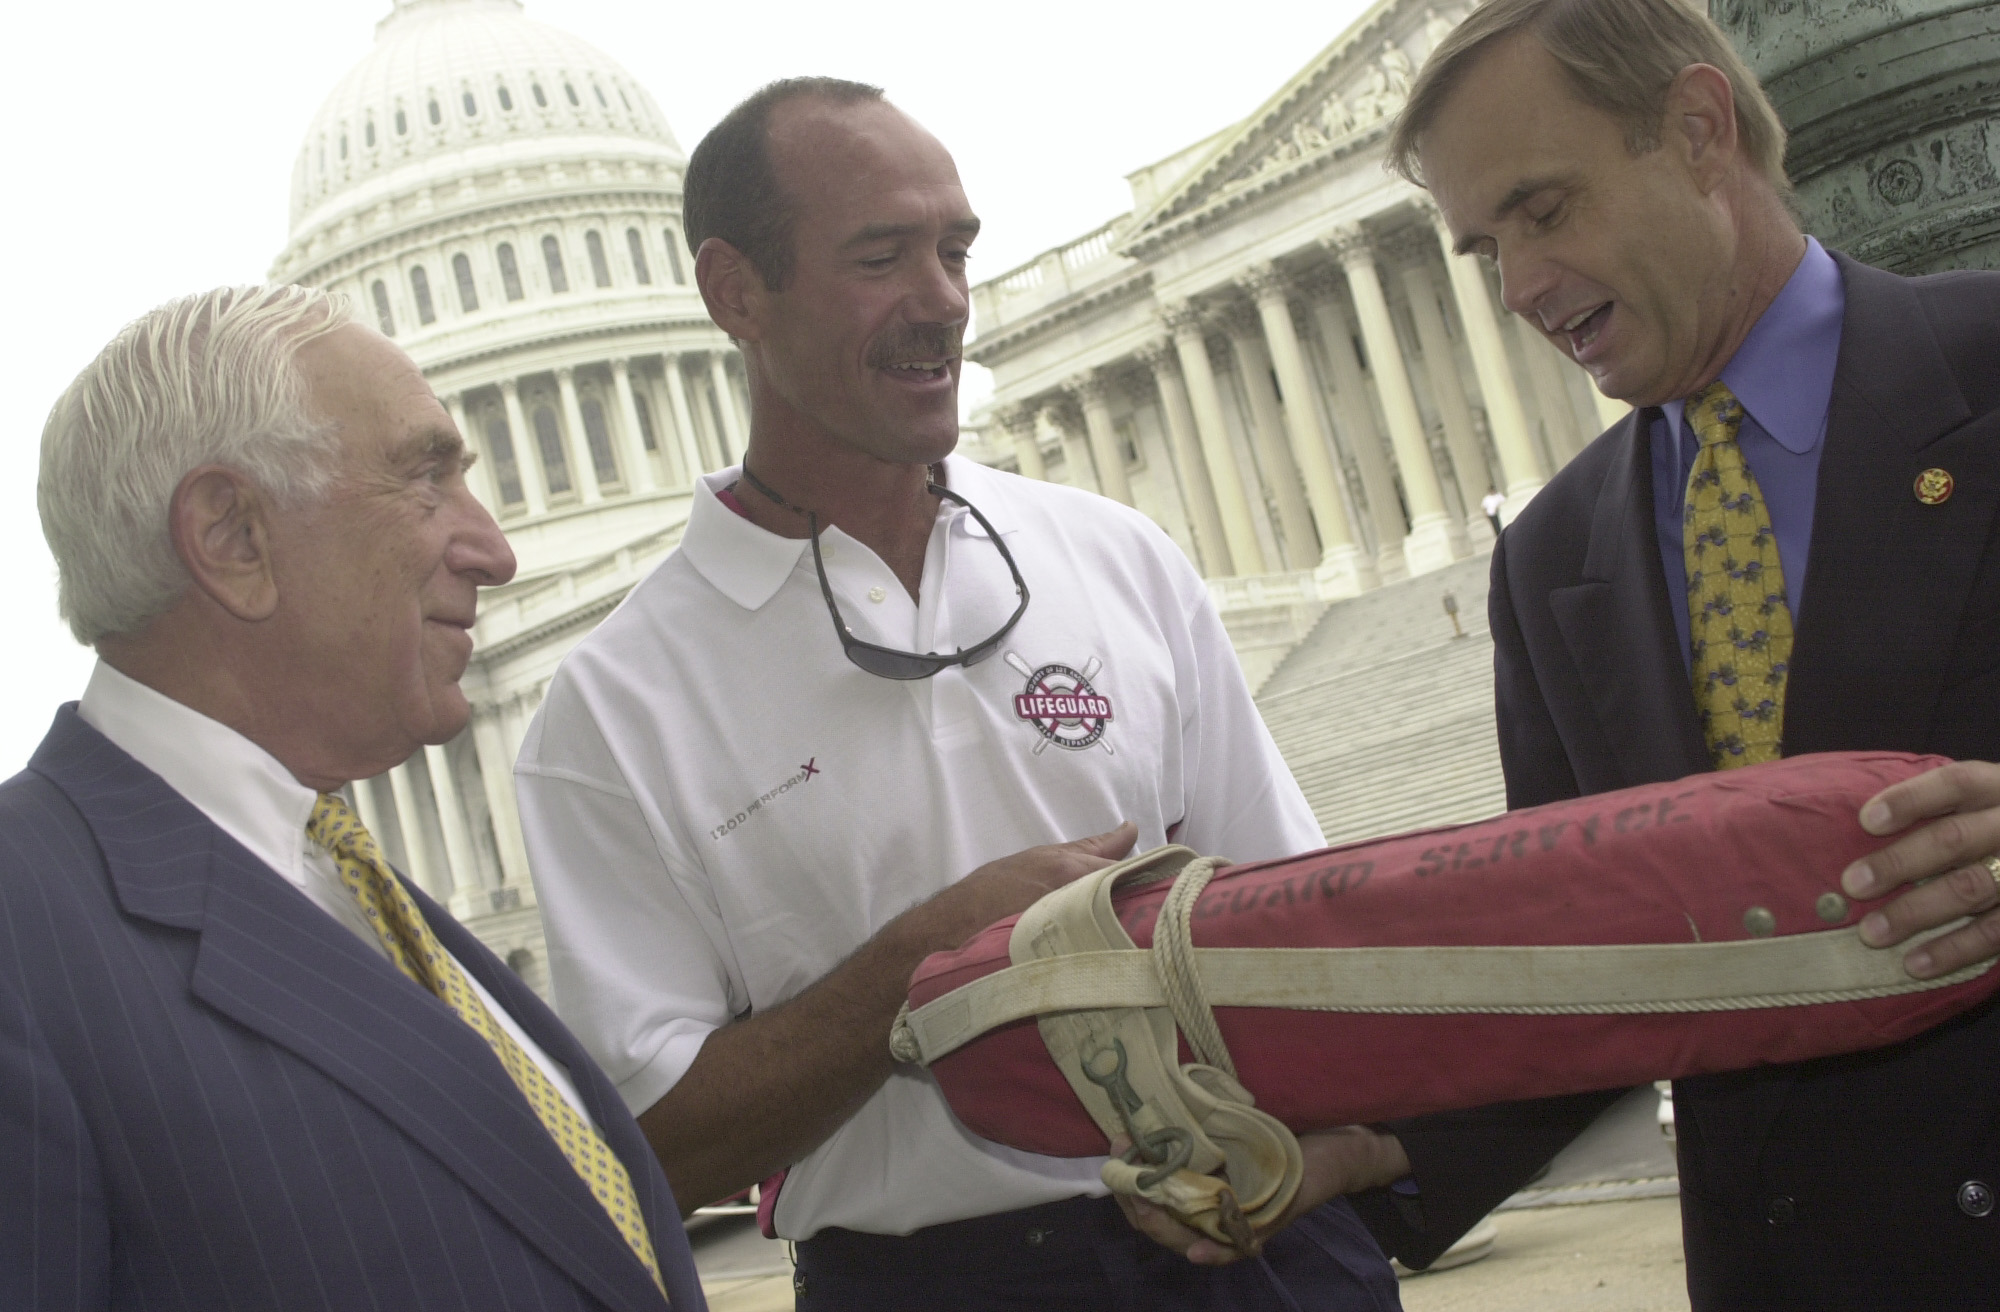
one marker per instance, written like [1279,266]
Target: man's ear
[731,288]
[218,522]
[1701,123]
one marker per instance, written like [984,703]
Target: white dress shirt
[720,808]
[255,800]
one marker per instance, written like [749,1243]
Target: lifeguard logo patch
[1061,704]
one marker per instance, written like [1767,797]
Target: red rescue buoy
[1730,857]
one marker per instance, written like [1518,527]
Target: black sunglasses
[887,662]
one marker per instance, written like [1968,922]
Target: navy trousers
[1081,1254]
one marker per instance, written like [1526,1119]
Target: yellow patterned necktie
[1739,624]
[392,913]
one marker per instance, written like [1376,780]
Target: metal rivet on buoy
[1832,908]
[1934,487]
[1760,922]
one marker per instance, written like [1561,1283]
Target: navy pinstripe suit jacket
[214,1096]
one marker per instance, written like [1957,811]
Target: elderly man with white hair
[242,1062]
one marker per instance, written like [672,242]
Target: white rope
[1180,978]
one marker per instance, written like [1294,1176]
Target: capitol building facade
[1277,357]
[1273,355]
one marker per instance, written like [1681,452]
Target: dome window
[541,100]
[569,89]
[600,268]
[627,100]
[402,124]
[600,95]
[674,257]
[597,436]
[420,287]
[637,246]
[368,134]
[645,413]
[343,145]
[437,115]
[548,439]
[552,256]
[510,272]
[468,295]
[383,319]
[506,469]
[506,100]
[471,105]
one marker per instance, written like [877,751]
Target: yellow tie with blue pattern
[396,920]
[1739,624]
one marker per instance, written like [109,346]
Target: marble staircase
[1385,717]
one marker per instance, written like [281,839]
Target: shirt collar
[748,564]
[1783,372]
[228,778]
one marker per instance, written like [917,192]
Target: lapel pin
[1934,487]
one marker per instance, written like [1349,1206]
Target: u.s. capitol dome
[503,199]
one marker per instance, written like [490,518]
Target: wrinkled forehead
[370,389]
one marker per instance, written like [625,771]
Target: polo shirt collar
[1783,372]
[748,564]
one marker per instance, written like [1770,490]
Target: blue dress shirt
[1783,375]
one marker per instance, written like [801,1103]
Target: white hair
[206,379]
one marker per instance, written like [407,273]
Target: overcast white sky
[149,151]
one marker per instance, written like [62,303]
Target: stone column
[1441,364]
[641,478]
[1519,467]
[1551,396]
[458,848]
[1341,568]
[1197,493]
[1093,394]
[527,452]
[1267,430]
[1429,545]
[685,432]
[583,469]
[416,846]
[480,477]
[1238,530]
[1079,470]
[364,803]
[1357,419]
[496,769]
[1018,422]
[725,401]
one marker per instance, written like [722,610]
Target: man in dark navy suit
[1788,547]
[242,1063]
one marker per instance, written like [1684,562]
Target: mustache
[918,341]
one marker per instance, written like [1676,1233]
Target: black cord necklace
[770,495]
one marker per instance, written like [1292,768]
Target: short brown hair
[732,192]
[1620,56]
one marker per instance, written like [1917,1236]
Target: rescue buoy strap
[1618,979]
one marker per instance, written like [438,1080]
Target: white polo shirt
[720,807]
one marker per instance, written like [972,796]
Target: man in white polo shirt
[753,792]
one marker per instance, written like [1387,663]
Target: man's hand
[764,1092]
[1337,1162]
[1008,886]
[1962,803]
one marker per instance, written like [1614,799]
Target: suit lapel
[1619,631]
[600,1098]
[1884,565]
[275,964]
